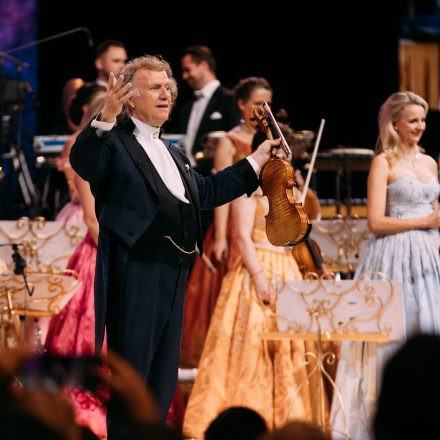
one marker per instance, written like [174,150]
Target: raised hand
[117,95]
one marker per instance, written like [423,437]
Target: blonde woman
[403,216]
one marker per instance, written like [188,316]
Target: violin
[287,223]
[311,205]
[308,257]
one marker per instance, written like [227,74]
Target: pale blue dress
[411,257]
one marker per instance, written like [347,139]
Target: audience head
[148,104]
[401,122]
[110,56]
[32,411]
[198,66]
[297,431]
[236,423]
[404,408]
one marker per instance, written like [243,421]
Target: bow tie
[198,94]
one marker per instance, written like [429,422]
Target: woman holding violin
[238,367]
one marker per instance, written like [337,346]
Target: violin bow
[312,161]
[284,143]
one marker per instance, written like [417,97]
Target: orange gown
[204,284]
[238,367]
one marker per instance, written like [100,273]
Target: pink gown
[72,333]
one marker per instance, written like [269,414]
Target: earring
[242,121]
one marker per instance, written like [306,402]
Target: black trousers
[144,321]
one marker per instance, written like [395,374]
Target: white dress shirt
[198,109]
[159,155]
[101,82]
[162,160]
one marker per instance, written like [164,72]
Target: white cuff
[102,127]
[254,165]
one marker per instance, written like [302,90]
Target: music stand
[343,162]
[50,292]
[327,310]
[46,245]
[342,241]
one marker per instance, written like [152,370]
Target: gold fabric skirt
[239,368]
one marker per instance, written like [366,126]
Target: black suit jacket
[126,201]
[222,103]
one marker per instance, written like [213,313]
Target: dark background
[323,59]
[332,60]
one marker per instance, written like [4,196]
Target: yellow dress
[239,368]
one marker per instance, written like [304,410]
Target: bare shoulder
[225,144]
[380,162]
[428,159]
[380,170]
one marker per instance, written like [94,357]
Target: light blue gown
[411,257]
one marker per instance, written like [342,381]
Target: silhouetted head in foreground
[410,378]
[236,423]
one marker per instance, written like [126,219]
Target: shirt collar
[146,131]
[208,90]
[100,82]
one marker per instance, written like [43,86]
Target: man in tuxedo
[148,202]
[212,108]
[110,56]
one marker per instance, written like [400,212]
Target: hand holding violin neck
[265,118]
[264,152]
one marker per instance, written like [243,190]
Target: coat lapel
[212,105]
[138,155]
[185,173]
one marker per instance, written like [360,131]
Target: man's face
[111,61]
[151,100]
[192,73]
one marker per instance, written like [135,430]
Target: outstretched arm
[234,181]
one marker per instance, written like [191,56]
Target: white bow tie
[198,94]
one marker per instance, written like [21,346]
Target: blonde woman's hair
[389,141]
[149,62]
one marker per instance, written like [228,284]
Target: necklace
[412,160]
